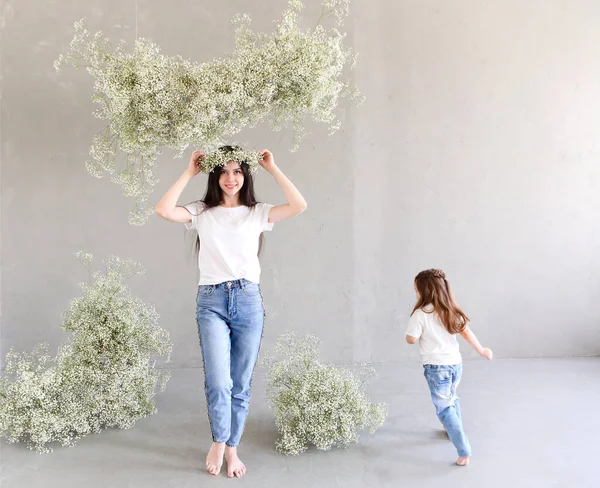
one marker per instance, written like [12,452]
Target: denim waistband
[241,283]
[440,367]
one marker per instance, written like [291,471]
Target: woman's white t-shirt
[436,344]
[229,238]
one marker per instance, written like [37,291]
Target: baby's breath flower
[315,403]
[220,158]
[105,376]
[152,101]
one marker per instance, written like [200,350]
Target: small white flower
[104,377]
[151,101]
[317,404]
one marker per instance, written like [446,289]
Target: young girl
[434,323]
[229,311]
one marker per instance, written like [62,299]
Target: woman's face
[231,179]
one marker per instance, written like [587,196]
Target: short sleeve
[262,210]
[194,208]
[415,325]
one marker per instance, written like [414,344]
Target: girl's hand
[487,353]
[267,161]
[195,165]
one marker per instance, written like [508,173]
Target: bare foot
[235,467]
[463,461]
[214,460]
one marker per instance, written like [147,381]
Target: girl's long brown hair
[435,290]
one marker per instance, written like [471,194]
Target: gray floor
[532,423]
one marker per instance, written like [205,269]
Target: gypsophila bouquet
[105,376]
[152,101]
[317,404]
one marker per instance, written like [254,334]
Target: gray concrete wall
[477,150]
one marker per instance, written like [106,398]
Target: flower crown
[221,157]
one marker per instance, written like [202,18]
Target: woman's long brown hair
[435,290]
[214,195]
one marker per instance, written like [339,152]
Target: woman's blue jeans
[230,320]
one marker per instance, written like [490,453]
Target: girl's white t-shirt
[229,238]
[436,344]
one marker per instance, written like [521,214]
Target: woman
[230,314]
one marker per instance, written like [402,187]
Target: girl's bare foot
[235,467]
[214,460]
[463,461]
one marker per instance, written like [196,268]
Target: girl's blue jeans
[443,381]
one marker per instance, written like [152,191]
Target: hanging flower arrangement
[152,101]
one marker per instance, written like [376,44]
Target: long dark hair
[214,194]
[435,290]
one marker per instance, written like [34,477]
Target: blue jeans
[443,381]
[230,320]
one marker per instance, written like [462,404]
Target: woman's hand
[195,165]
[267,161]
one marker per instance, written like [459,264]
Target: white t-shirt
[229,240]
[436,344]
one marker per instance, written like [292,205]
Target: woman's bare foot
[235,467]
[463,461]
[214,460]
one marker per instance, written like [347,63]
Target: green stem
[323,14]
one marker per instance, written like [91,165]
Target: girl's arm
[167,206]
[472,339]
[295,201]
